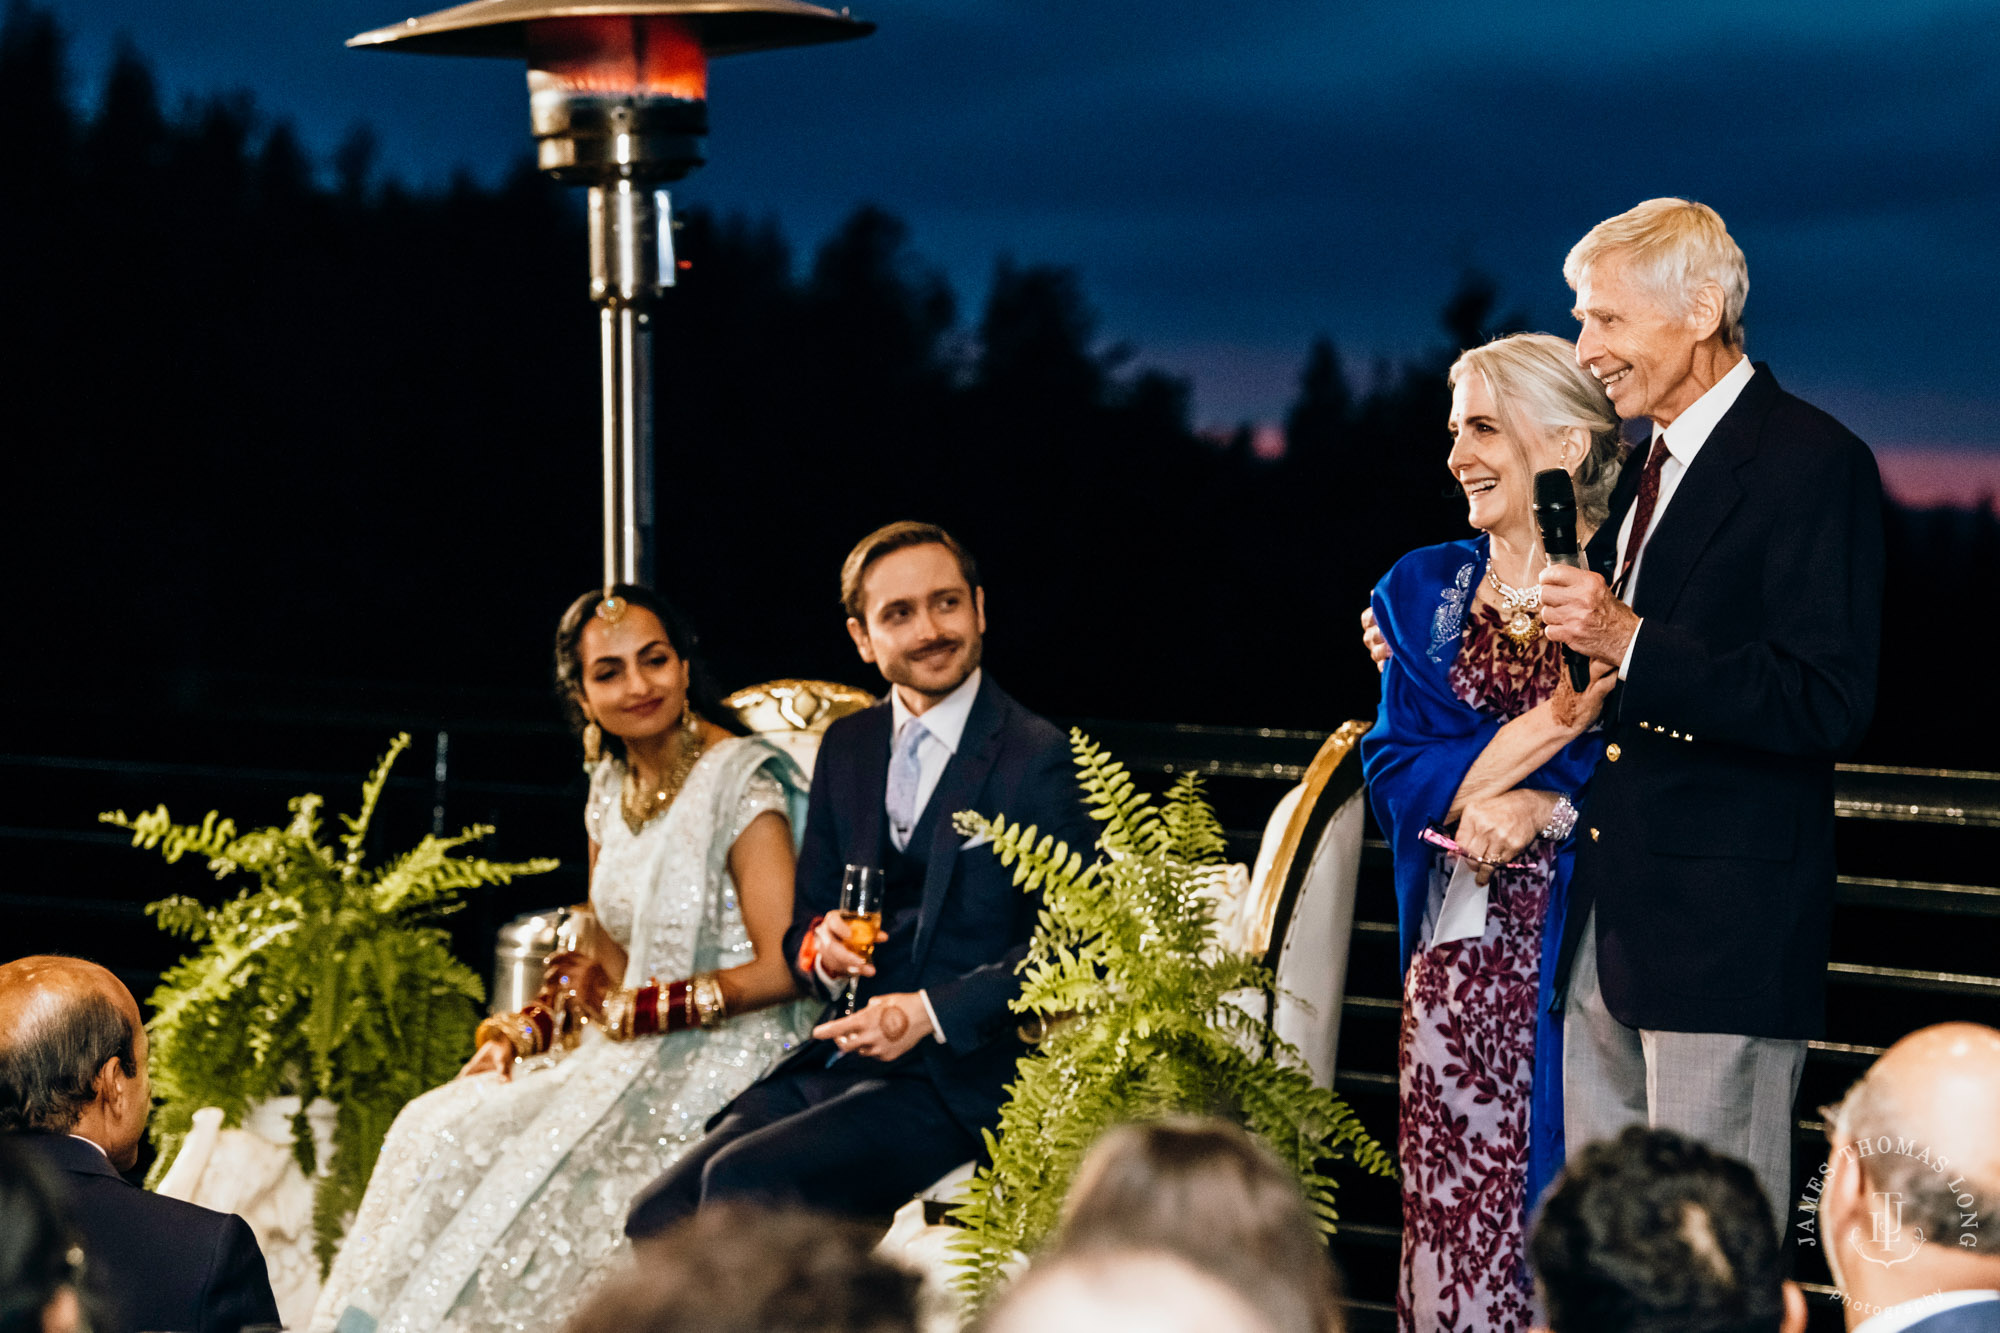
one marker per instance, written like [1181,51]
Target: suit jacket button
[1593,835]
[1612,752]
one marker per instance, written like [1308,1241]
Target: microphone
[1555,515]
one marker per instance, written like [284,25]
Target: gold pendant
[1523,629]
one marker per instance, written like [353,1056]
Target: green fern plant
[328,978]
[1135,994]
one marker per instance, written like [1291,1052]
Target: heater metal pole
[631,265]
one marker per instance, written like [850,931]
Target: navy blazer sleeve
[1806,685]
[238,1290]
[816,886]
[973,1008]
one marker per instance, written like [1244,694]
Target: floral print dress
[1467,1049]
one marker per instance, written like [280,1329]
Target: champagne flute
[861,909]
[577,932]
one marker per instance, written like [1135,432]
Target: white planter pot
[251,1172]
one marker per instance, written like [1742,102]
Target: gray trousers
[1731,1092]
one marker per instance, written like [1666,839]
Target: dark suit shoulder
[856,729]
[1034,731]
[1025,734]
[191,1220]
[1793,424]
[154,1217]
[167,1263]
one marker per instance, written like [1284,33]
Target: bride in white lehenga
[499,1199]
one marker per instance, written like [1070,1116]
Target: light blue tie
[904,773]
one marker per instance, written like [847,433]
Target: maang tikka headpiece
[613,608]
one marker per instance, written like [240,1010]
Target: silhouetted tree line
[292,420]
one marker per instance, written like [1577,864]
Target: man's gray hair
[1670,247]
[48,1073]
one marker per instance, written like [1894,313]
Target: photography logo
[1888,1243]
[1914,1198]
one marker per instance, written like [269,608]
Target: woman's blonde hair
[1541,390]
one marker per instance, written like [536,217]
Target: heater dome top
[726,27]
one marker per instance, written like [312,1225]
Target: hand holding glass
[861,910]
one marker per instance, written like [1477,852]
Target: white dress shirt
[95,1144]
[1905,1313]
[1685,438]
[944,726]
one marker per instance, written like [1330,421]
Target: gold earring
[593,742]
[688,722]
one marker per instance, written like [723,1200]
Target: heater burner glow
[618,102]
[617,97]
[651,55]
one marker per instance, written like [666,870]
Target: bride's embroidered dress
[499,1205]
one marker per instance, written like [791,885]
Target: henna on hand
[895,1023]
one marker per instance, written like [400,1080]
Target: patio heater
[618,102]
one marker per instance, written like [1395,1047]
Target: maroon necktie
[1642,508]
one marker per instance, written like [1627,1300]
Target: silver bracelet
[1562,819]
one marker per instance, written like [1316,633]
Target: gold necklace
[1520,608]
[640,806]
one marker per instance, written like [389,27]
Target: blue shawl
[1423,742]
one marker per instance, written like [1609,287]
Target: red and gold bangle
[538,1025]
[675,1007]
[711,1006]
[529,1031]
[809,951]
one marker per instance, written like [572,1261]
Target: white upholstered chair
[1300,910]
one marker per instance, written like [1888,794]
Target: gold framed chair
[1301,910]
[794,714]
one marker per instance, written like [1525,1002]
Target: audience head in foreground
[1211,1193]
[72,1055]
[1650,1233]
[74,1094]
[1140,1291]
[1906,1209]
[39,1258]
[735,1268]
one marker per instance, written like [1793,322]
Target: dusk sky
[1231,180]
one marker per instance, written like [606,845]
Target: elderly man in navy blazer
[882,1103]
[74,1090]
[1737,590]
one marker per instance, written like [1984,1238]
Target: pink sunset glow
[1923,478]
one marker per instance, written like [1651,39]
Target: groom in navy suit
[880,1104]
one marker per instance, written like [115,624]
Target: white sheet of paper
[1462,916]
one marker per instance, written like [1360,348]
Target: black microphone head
[1554,490]
[1555,511]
